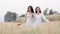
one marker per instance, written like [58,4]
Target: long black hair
[36,10]
[31,9]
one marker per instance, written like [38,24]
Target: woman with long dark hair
[38,17]
[29,16]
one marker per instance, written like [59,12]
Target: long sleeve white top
[38,19]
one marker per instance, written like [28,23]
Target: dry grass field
[46,28]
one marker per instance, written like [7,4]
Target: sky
[20,6]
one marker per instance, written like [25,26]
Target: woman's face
[29,9]
[38,9]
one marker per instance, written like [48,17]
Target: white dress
[29,20]
[38,19]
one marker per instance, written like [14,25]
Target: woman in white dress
[29,16]
[38,17]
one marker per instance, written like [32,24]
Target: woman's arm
[33,17]
[45,18]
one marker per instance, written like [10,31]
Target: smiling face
[38,10]
[30,9]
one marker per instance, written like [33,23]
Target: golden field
[46,28]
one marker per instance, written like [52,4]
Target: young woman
[29,16]
[38,17]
